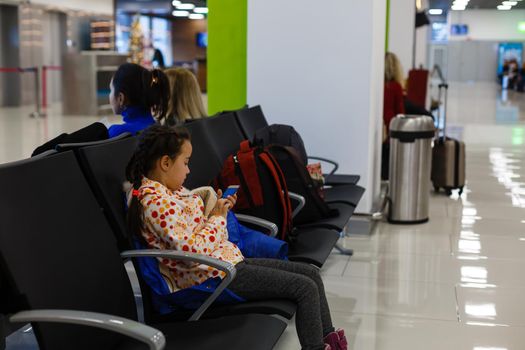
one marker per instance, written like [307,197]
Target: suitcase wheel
[460,191]
[436,189]
[448,191]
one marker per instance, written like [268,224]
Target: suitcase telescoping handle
[443,86]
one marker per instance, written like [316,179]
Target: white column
[422,40]
[401,30]
[319,67]
[422,35]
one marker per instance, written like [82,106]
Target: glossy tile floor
[457,282]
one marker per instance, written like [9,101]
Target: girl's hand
[221,208]
[231,201]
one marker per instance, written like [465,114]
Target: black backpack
[263,189]
[298,180]
[284,135]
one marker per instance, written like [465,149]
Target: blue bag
[254,244]
[165,302]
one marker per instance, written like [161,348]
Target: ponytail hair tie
[135,193]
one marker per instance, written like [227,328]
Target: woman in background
[141,96]
[393,91]
[186,100]
[393,104]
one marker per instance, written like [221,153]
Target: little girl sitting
[164,215]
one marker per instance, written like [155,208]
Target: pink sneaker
[332,339]
[343,343]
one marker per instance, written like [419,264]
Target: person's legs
[256,282]
[308,271]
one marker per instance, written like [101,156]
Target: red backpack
[263,192]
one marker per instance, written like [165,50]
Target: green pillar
[227,26]
[387,23]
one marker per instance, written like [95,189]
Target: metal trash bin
[410,164]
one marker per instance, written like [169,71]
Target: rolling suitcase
[448,157]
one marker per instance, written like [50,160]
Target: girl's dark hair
[144,88]
[155,142]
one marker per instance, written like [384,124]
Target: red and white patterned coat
[175,220]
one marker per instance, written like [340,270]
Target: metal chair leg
[344,251]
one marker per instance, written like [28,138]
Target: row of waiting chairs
[62,234]
[220,136]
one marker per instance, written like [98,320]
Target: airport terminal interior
[454,281]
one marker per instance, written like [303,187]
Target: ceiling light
[460,3]
[200,10]
[435,11]
[509,3]
[186,7]
[180,13]
[458,7]
[504,7]
[196,16]
[175,3]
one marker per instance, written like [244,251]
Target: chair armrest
[146,334]
[333,162]
[224,266]
[270,226]
[301,202]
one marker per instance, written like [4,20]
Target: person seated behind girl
[140,96]
[164,215]
[186,101]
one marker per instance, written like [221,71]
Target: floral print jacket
[175,220]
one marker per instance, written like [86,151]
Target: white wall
[104,7]
[401,31]
[489,24]
[321,70]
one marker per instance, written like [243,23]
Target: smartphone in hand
[230,191]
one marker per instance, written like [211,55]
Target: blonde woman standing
[393,104]
[186,100]
[393,92]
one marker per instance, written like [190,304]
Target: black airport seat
[104,167]
[252,119]
[223,136]
[66,258]
[350,194]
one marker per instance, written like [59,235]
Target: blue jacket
[135,119]
[253,244]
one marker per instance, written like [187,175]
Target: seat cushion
[281,307]
[341,179]
[313,245]
[336,223]
[241,332]
[350,194]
